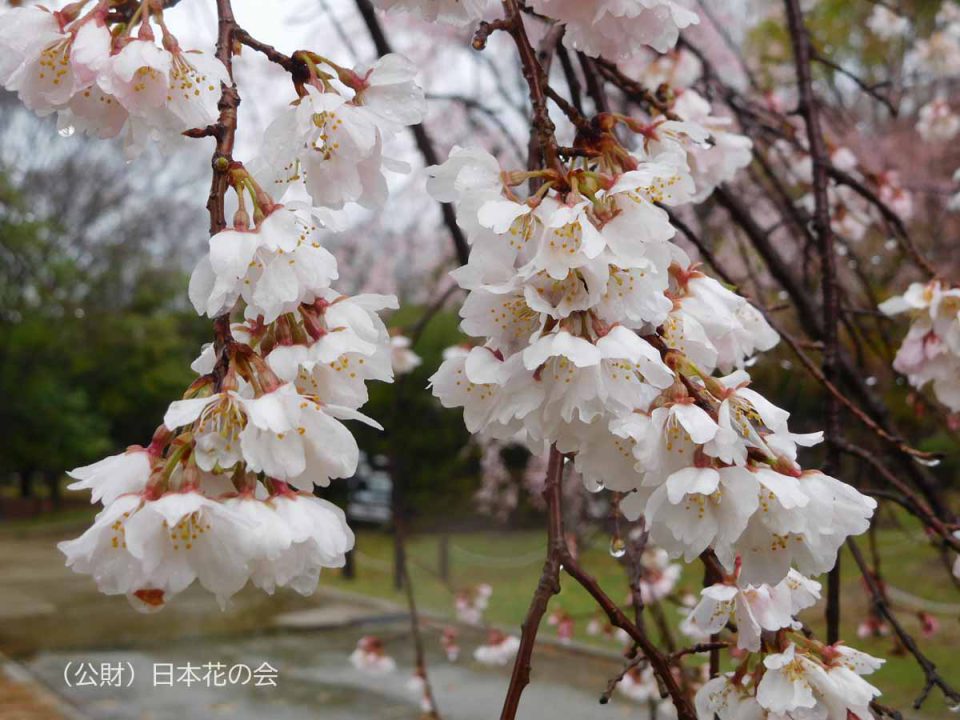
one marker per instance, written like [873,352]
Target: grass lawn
[511,561]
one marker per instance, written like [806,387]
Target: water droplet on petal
[66,131]
[618,548]
[592,485]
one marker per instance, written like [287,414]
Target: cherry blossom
[752,608]
[151,549]
[601,337]
[106,83]
[930,352]
[114,476]
[275,268]
[371,657]
[936,121]
[332,143]
[403,358]
[498,649]
[619,29]
[886,24]
[453,12]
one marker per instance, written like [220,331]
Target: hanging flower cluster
[805,679]
[851,215]
[459,13]
[499,648]
[937,56]
[370,656]
[886,24]
[107,80]
[930,352]
[471,603]
[329,142]
[936,121]
[659,576]
[600,336]
[618,29]
[223,494]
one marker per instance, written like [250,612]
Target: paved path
[22,698]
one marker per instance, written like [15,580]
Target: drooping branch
[547,587]
[533,73]
[809,109]
[932,675]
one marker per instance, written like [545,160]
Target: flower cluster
[371,657]
[329,142]
[886,24]
[599,336]
[851,215]
[472,602]
[498,649]
[659,577]
[938,55]
[930,352]
[449,643]
[108,80]
[459,13]
[752,608]
[224,493]
[936,121]
[803,679]
[618,29]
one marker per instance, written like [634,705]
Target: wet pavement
[62,631]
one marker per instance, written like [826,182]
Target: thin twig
[932,675]
[548,586]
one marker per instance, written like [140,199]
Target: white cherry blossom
[114,476]
[458,13]
[619,28]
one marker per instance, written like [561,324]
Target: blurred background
[97,335]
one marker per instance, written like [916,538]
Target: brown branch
[533,73]
[915,503]
[634,90]
[871,90]
[658,661]
[892,219]
[291,63]
[548,586]
[615,680]
[933,678]
[224,130]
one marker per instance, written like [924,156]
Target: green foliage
[87,366]
[429,443]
